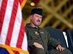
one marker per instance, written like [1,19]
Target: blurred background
[56,13]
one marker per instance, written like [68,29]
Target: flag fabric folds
[12,30]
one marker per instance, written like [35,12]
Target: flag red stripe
[2,13]
[21,35]
[12,21]
[15,52]
[20,1]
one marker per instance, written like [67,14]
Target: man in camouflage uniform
[38,40]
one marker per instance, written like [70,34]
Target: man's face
[36,19]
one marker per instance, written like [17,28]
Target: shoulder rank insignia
[42,32]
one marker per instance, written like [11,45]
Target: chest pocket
[43,34]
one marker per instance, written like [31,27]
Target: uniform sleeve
[52,41]
[29,38]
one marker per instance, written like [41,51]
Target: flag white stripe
[6,21]
[17,26]
[24,44]
[0,4]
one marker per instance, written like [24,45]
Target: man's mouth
[38,20]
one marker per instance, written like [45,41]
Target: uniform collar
[28,25]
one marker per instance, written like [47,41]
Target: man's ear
[30,17]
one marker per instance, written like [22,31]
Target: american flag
[12,30]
